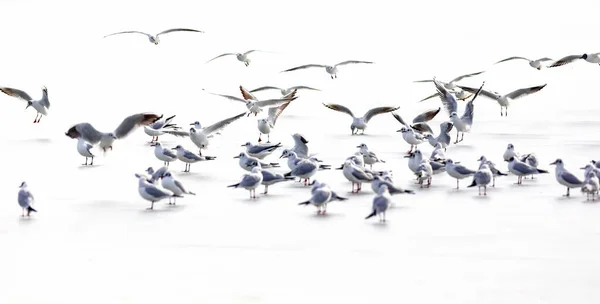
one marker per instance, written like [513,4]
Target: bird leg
[85,162]
[568,192]
[22,212]
[457,184]
[268,138]
[170,198]
[429,182]
[151,206]
[462,136]
[92,163]
[494,181]
[266,189]
[358,187]
[259,137]
[456,136]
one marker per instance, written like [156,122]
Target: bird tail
[289,174]
[233,186]
[339,198]
[324,167]
[371,215]
[542,171]
[383,161]
[210,157]
[473,184]
[191,193]
[274,165]
[502,174]
[289,178]
[30,209]
[304,203]
[176,195]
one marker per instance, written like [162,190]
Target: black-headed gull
[150,192]
[521,169]
[591,58]
[379,181]
[41,106]
[592,185]
[504,100]
[25,199]
[256,106]
[566,178]
[250,181]
[283,91]
[381,203]
[443,137]
[242,57]
[200,136]
[154,38]
[451,86]
[163,154]
[189,158]
[265,125]
[495,172]
[534,63]
[170,183]
[260,151]
[458,171]
[462,124]
[246,162]
[330,69]
[369,157]
[161,127]
[84,149]
[419,123]
[482,178]
[360,123]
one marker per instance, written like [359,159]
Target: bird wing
[16,93]
[463,170]
[446,127]
[485,93]
[465,76]
[447,99]
[379,110]
[168,119]
[524,92]
[274,112]
[352,62]
[570,178]
[222,124]
[225,54]
[134,121]
[229,97]
[178,30]
[85,131]
[427,80]
[426,116]
[247,95]
[168,153]
[399,119]
[339,108]
[305,67]
[250,51]
[129,32]
[274,102]
[155,192]
[177,133]
[470,108]
[264,88]
[429,97]
[361,175]
[544,59]
[302,87]
[512,58]
[565,60]
[422,127]
[179,185]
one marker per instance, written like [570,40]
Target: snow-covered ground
[92,240]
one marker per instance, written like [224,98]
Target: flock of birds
[161,184]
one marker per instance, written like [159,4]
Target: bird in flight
[154,39]
[330,69]
[41,106]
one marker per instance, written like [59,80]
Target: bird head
[510,147]
[557,162]
[242,154]
[23,185]
[584,56]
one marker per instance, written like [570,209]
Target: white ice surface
[92,240]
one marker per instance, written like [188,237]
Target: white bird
[300,147]
[424,172]
[256,106]
[246,162]
[303,168]
[591,186]
[457,92]
[189,158]
[265,125]
[25,199]
[566,178]
[334,196]
[150,192]
[482,178]
[161,127]
[459,171]
[381,203]
[242,57]
[126,127]
[534,63]
[529,158]
[270,178]
[330,69]
[283,91]
[200,136]
[356,175]
[462,124]
[438,153]
[411,137]
[379,181]
[41,106]
[84,148]
[443,137]
[155,39]
[320,196]
[415,159]
[591,58]
[451,86]
[163,154]
[495,172]
[505,100]
[360,123]
[521,169]
[591,168]
[170,183]
[419,123]
[155,175]
[369,157]
[250,181]
[260,151]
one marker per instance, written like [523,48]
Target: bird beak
[340,168]
[358,146]
[553,163]
[407,156]
[582,168]
[506,160]
[237,156]
[173,148]
[281,156]
[191,124]
[243,145]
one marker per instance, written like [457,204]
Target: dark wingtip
[289,174]
[304,203]
[370,215]
[473,184]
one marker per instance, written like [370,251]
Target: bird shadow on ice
[25,220]
[194,176]
[35,140]
[462,147]
[326,216]
[85,167]
[380,225]
[163,208]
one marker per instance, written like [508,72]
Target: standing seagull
[243,57]
[320,196]
[591,58]
[41,106]
[170,183]
[482,178]
[464,123]
[189,158]
[250,181]
[260,151]
[128,125]
[330,69]
[256,106]
[536,64]
[163,154]
[360,123]
[592,185]
[200,136]
[521,169]
[459,171]
[504,100]
[284,91]
[25,199]
[83,148]
[155,39]
[150,192]
[495,172]
[160,127]
[566,178]
[381,203]
[369,157]
[266,124]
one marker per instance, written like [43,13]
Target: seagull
[536,64]
[200,136]
[150,192]
[270,178]
[260,151]
[320,196]
[416,158]
[170,183]
[41,106]
[459,171]
[482,178]
[459,95]
[451,86]
[284,91]
[331,70]
[495,172]
[520,169]
[25,199]
[379,181]
[462,124]
[155,39]
[246,162]
[250,181]
[412,138]
[591,58]
[566,178]
[438,153]
[424,172]
[128,125]
[504,100]
[156,175]
[315,185]
[369,157]
[160,127]
[163,154]
[356,175]
[243,57]
[592,185]
[530,158]
[360,123]
[304,168]
[591,168]
[83,148]
[189,158]
[420,121]
[300,147]
[381,202]
[266,124]
[256,106]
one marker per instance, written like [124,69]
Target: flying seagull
[451,86]
[91,135]
[504,100]
[266,124]
[243,57]
[41,106]
[360,123]
[155,39]
[462,124]
[331,70]
[536,64]
[591,58]
[284,91]
[256,106]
